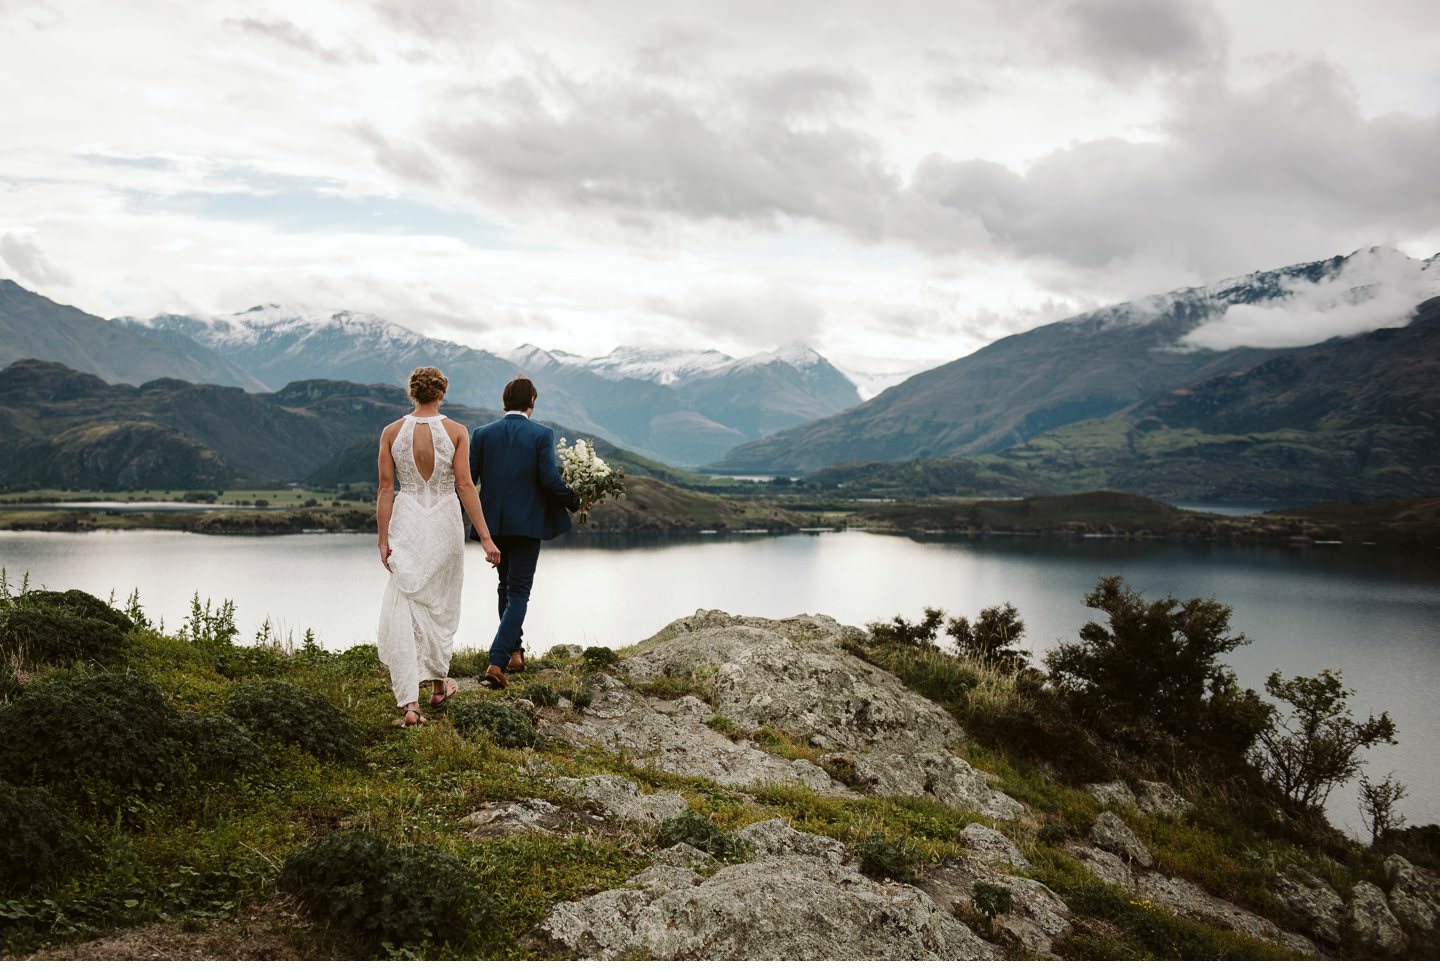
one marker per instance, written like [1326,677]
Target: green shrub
[384,896]
[290,714]
[991,900]
[597,656]
[700,832]
[355,660]
[57,627]
[108,737]
[883,857]
[1052,835]
[240,661]
[40,838]
[503,724]
[10,685]
[541,694]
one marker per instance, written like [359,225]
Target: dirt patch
[267,934]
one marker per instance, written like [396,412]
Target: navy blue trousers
[518,557]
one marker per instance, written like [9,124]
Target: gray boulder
[1111,834]
[1312,900]
[935,775]
[776,838]
[504,819]
[783,908]
[1372,921]
[1037,920]
[1161,799]
[1103,864]
[672,736]
[794,675]
[684,855]
[1116,794]
[1414,896]
[622,798]
[992,847]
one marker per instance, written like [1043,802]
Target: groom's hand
[492,552]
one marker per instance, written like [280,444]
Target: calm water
[1372,614]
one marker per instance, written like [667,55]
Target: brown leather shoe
[495,678]
[517,662]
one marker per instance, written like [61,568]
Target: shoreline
[1258,531]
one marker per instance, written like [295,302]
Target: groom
[513,462]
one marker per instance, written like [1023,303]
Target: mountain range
[682,407]
[1034,403]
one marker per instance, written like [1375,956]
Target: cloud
[1374,288]
[1240,179]
[805,92]
[767,314]
[29,263]
[293,37]
[1127,39]
[640,153]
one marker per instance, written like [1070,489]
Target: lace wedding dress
[421,606]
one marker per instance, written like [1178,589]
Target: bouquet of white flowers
[587,474]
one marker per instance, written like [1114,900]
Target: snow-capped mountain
[683,407]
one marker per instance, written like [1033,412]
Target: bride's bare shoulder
[389,431]
[456,430]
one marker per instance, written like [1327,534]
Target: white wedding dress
[421,607]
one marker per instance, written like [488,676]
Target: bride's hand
[385,554]
[492,552]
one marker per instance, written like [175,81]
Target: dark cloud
[677,50]
[1123,40]
[292,36]
[27,262]
[805,92]
[441,20]
[409,162]
[642,153]
[1241,179]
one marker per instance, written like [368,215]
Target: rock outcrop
[1372,921]
[1037,919]
[1414,896]
[794,676]
[1314,902]
[793,902]
[1111,834]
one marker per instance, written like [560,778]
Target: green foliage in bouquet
[290,714]
[386,897]
[504,725]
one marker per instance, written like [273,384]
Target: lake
[1371,613]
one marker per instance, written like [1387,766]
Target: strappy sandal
[419,719]
[440,698]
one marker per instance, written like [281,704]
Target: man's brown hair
[520,394]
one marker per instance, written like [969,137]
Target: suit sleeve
[550,480]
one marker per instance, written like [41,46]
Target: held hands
[492,552]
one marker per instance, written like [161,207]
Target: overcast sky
[895,183]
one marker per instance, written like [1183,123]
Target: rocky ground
[723,682]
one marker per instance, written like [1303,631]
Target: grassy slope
[210,860]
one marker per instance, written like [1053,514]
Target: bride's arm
[470,496]
[385,494]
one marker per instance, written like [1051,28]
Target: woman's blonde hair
[427,385]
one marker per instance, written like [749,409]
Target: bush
[356,660]
[990,639]
[882,857]
[57,627]
[1153,666]
[541,694]
[903,634]
[290,714]
[1316,744]
[700,832]
[40,838]
[105,738]
[504,725]
[597,656]
[991,900]
[240,661]
[386,896]
[1052,835]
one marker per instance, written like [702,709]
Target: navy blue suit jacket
[513,462]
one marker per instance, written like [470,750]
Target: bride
[422,542]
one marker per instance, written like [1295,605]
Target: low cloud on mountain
[1375,288]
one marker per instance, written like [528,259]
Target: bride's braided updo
[427,385]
